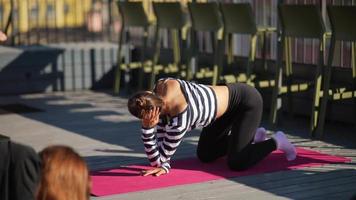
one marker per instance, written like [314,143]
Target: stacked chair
[206,19]
[296,25]
[239,19]
[170,17]
[343,29]
[133,16]
[218,23]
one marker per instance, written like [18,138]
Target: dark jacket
[19,171]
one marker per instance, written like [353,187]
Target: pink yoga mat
[128,179]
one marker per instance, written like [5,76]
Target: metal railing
[28,22]
[57,21]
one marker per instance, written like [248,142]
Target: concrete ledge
[56,67]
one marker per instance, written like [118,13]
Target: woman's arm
[153,147]
[162,144]
[149,123]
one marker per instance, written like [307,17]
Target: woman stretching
[229,116]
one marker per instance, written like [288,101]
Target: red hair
[65,175]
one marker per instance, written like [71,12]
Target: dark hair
[143,101]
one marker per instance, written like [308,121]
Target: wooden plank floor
[100,128]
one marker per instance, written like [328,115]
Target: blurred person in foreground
[65,175]
[56,173]
[20,168]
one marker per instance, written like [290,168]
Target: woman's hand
[151,118]
[155,172]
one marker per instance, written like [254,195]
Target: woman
[65,175]
[230,116]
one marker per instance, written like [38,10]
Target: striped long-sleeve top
[162,141]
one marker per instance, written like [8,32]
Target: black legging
[232,134]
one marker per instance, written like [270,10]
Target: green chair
[133,16]
[206,18]
[170,17]
[297,21]
[239,19]
[343,29]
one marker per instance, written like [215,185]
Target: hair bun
[139,102]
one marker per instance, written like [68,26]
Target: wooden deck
[100,128]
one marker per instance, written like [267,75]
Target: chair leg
[264,49]
[353,58]
[289,73]
[219,51]
[218,45]
[316,104]
[140,78]
[320,94]
[156,56]
[191,56]
[252,56]
[184,63]
[230,56]
[117,79]
[315,113]
[180,63]
[176,51]
[228,41]
[143,52]
[319,129]
[276,100]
